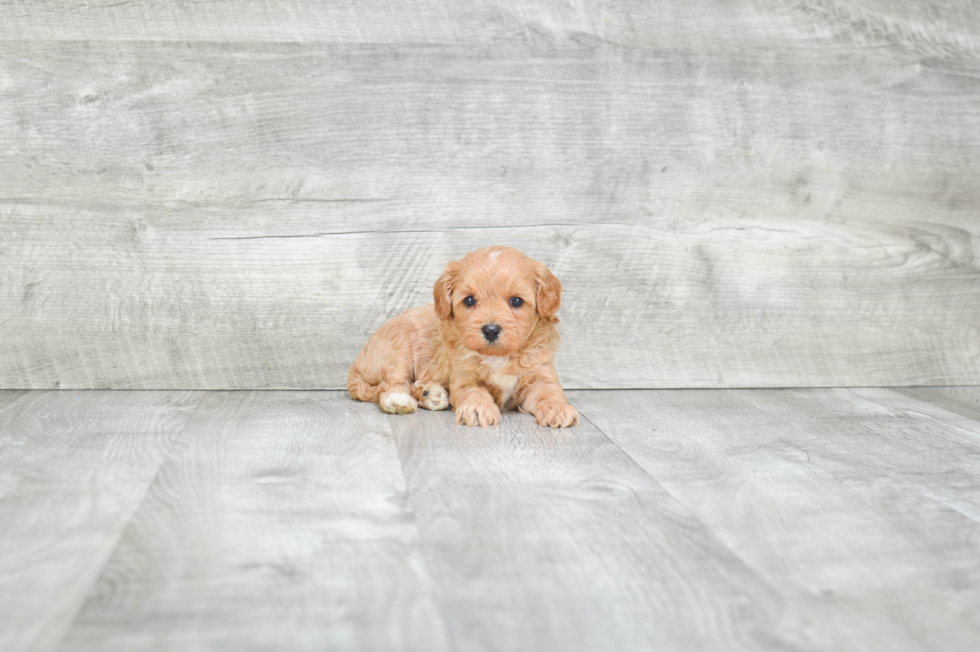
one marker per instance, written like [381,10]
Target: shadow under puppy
[489,339]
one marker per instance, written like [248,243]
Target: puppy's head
[494,297]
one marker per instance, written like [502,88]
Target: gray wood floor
[817,519]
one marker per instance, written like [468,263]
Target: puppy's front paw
[478,414]
[398,403]
[556,415]
[434,397]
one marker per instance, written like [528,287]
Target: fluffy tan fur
[439,355]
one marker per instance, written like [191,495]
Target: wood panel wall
[734,193]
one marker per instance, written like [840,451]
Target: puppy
[487,343]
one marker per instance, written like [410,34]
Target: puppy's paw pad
[478,414]
[556,415]
[398,403]
[434,397]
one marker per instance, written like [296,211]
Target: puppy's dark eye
[516,302]
[469,302]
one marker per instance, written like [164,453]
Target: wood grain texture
[73,468]
[9,397]
[278,522]
[244,215]
[931,26]
[962,400]
[413,21]
[555,540]
[765,519]
[863,516]
[924,407]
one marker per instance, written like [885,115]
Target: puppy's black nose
[491,331]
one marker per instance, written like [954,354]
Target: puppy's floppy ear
[442,291]
[548,289]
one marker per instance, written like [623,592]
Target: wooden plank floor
[817,519]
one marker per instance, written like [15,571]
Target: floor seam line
[426,561]
[748,566]
[975,434]
[129,521]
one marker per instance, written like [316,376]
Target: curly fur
[414,358]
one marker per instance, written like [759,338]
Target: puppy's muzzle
[491,332]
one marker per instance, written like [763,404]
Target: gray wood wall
[734,192]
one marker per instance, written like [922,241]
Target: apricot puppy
[488,342]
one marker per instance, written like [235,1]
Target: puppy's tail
[361,390]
